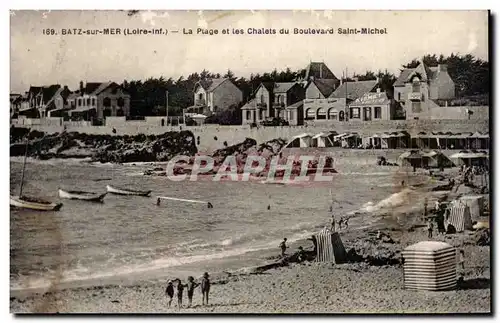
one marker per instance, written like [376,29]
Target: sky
[38,59]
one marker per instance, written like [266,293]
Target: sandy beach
[310,287]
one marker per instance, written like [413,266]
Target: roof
[372,98]
[81,109]
[319,70]
[210,84]
[325,86]
[283,87]
[73,95]
[354,89]
[427,73]
[303,135]
[296,104]
[429,246]
[251,104]
[321,134]
[268,85]
[403,77]
[468,155]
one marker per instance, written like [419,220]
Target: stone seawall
[213,137]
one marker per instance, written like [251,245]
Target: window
[378,113]
[332,114]
[249,114]
[88,102]
[310,114]
[321,114]
[399,96]
[200,96]
[341,116]
[106,102]
[416,84]
[355,113]
[367,113]
[262,99]
[93,101]
[261,115]
[119,113]
[120,102]
[79,102]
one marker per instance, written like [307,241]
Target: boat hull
[122,191]
[19,202]
[84,196]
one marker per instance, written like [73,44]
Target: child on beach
[283,247]
[191,285]
[301,254]
[169,292]
[430,226]
[180,290]
[205,288]
[461,259]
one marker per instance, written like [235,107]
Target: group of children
[190,286]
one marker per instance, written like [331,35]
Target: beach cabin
[300,141]
[348,140]
[430,265]
[386,140]
[471,158]
[321,140]
[424,159]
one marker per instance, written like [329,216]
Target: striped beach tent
[430,265]
[475,203]
[330,247]
[460,217]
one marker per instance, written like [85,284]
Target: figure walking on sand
[205,288]
[430,226]
[180,290]
[169,292]
[191,285]
[283,247]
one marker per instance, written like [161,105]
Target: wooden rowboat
[81,195]
[34,204]
[126,191]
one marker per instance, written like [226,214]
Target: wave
[82,274]
[394,200]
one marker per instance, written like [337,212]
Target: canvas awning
[198,116]
[321,134]
[469,155]
[303,135]
[81,109]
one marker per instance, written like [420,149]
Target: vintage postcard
[250,162]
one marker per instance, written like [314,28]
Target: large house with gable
[417,89]
[214,95]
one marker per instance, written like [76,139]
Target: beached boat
[25,202]
[126,191]
[81,195]
[34,203]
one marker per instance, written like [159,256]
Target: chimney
[378,89]
[81,87]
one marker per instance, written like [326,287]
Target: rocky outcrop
[103,148]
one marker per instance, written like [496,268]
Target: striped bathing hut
[460,217]
[430,265]
[475,203]
[330,247]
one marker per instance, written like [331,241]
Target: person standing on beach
[191,285]
[180,290]
[429,228]
[205,288]
[461,260]
[169,292]
[283,247]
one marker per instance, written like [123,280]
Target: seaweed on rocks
[103,148]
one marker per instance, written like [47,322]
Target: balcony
[199,102]
[415,96]
[278,105]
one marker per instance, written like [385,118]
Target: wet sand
[309,287]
